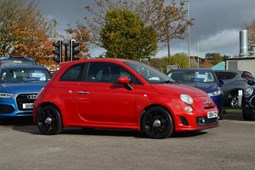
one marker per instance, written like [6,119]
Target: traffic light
[74,51]
[58,51]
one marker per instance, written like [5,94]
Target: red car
[123,94]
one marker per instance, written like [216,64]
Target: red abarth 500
[123,94]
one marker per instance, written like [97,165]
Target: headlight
[186,99]
[215,93]
[248,92]
[6,95]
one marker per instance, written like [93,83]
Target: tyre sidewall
[58,120]
[168,131]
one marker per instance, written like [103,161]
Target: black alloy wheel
[49,121]
[233,100]
[157,123]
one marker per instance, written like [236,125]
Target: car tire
[157,123]
[246,115]
[49,120]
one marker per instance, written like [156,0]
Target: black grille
[24,98]
[184,121]
[204,121]
[6,109]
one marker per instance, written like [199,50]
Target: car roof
[95,60]
[23,66]
[191,69]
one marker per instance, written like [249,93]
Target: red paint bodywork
[107,105]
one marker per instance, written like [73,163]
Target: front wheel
[49,121]
[157,123]
[233,100]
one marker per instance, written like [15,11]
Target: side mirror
[250,82]
[124,80]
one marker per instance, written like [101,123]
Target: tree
[24,31]
[168,20]
[180,59]
[172,24]
[251,32]
[81,35]
[215,58]
[126,36]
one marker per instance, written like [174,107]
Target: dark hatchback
[248,101]
[203,79]
[233,82]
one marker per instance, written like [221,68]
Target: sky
[216,26]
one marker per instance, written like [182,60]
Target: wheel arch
[156,105]
[48,104]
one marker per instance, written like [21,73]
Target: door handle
[83,92]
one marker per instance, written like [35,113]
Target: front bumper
[13,107]
[197,119]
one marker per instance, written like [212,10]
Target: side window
[226,75]
[105,72]
[74,73]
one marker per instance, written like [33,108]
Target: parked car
[19,87]
[248,101]
[123,94]
[233,82]
[203,79]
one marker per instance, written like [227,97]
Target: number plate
[212,114]
[27,105]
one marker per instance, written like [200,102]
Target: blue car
[203,79]
[19,87]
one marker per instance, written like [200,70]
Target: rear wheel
[157,123]
[49,121]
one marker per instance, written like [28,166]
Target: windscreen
[149,73]
[25,75]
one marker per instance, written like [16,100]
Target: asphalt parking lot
[229,146]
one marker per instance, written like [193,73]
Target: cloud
[220,40]
[223,41]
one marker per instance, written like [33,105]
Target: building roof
[219,66]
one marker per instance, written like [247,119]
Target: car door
[66,90]
[101,100]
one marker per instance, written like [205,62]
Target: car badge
[32,97]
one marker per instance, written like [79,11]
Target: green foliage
[167,19]
[126,36]
[180,59]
